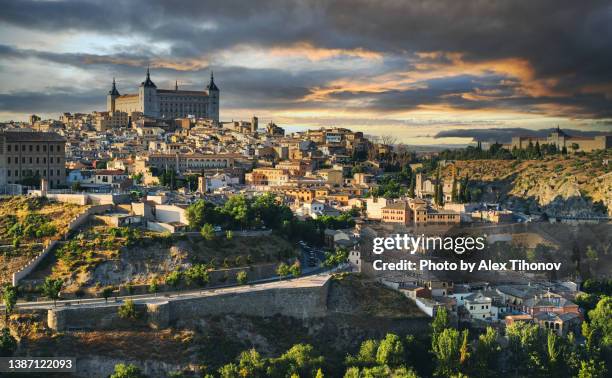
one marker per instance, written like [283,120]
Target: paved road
[312,277]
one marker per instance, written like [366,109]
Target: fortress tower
[166,103]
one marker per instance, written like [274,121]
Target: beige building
[397,212]
[28,154]
[111,120]
[331,176]
[184,162]
[374,207]
[267,177]
[166,103]
[560,139]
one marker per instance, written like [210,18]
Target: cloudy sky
[408,68]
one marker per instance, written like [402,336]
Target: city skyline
[412,69]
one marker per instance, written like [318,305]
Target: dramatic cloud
[505,63]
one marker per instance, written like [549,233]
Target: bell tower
[111,97]
[213,99]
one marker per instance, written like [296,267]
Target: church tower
[111,97]
[213,100]
[147,97]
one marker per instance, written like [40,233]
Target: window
[37,148]
[8,160]
[23,147]
[8,148]
[31,148]
[58,172]
[44,148]
[22,160]
[16,173]
[30,160]
[44,160]
[8,173]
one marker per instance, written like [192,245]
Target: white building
[479,306]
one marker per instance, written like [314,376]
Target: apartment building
[32,155]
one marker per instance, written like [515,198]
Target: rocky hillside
[357,310]
[578,185]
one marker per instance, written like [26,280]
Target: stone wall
[290,298]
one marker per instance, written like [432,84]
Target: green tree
[208,232]
[390,351]
[600,322]
[300,359]
[526,346]
[9,298]
[366,355]
[241,277]
[446,349]
[51,288]
[153,287]
[8,344]
[197,274]
[440,322]
[352,372]
[174,278]
[296,269]
[127,310]
[464,352]
[554,354]
[487,354]
[251,364]
[127,371]
[282,270]
[592,369]
[230,370]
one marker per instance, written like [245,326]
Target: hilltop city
[155,211]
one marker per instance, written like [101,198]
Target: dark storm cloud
[505,135]
[49,102]
[567,43]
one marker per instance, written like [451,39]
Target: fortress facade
[166,103]
[561,139]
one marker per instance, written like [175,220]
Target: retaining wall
[300,302]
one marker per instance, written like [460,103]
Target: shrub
[173,278]
[241,277]
[127,310]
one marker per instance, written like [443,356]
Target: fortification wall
[300,302]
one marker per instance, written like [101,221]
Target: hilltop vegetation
[100,256]
[26,224]
[573,185]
